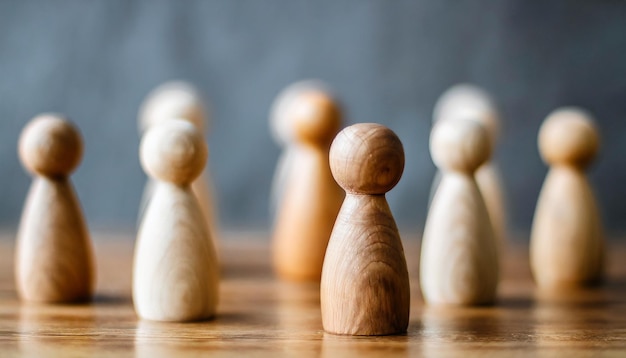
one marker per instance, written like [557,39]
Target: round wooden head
[50,145]
[466,101]
[367,158]
[459,145]
[175,99]
[569,136]
[310,115]
[173,151]
[280,124]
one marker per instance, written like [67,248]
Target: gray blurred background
[387,60]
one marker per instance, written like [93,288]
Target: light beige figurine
[365,283]
[180,100]
[175,274]
[466,101]
[567,246]
[54,259]
[459,258]
[311,198]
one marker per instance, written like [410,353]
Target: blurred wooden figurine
[311,198]
[175,274]
[365,283]
[465,101]
[459,258]
[54,255]
[283,132]
[180,100]
[566,248]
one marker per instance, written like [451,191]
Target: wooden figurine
[465,101]
[311,198]
[282,130]
[180,100]
[566,247]
[459,258]
[365,283]
[175,276]
[54,256]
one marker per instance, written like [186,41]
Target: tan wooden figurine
[566,247]
[180,100]
[282,130]
[459,258]
[466,101]
[365,283]
[175,276]
[311,198]
[54,256]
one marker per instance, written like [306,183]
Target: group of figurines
[332,223]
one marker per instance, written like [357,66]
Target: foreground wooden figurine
[175,274]
[365,283]
[179,100]
[54,255]
[311,198]
[567,246]
[459,258]
[466,101]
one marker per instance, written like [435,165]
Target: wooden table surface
[260,316]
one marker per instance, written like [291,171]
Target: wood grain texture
[311,198]
[263,317]
[365,284]
[175,274]
[54,260]
[567,244]
[459,258]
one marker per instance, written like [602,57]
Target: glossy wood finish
[260,316]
